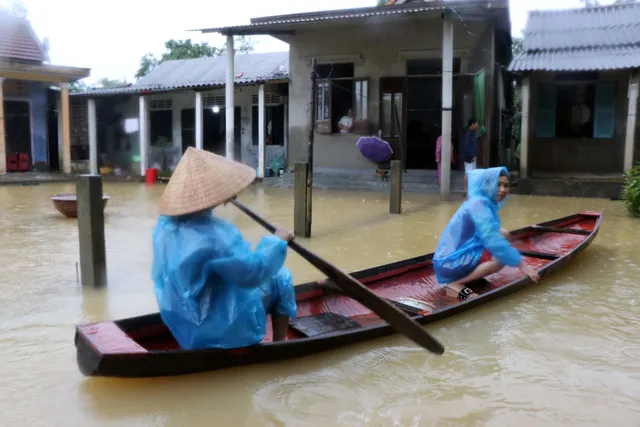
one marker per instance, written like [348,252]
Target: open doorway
[17,123]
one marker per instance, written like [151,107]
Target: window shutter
[605,110]
[546,113]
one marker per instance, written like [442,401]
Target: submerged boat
[143,346]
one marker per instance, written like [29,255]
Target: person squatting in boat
[213,291]
[473,245]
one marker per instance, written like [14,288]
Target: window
[341,100]
[161,126]
[429,67]
[583,109]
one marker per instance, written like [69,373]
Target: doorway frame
[28,101]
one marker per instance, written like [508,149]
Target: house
[579,71]
[384,66]
[35,131]
[181,103]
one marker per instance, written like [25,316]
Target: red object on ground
[23,162]
[12,163]
[152,175]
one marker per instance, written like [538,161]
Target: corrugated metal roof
[18,41]
[206,72]
[578,59]
[594,38]
[284,22]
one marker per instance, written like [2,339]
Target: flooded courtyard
[562,353]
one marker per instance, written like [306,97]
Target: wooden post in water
[395,187]
[300,180]
[93,262]
[312,131]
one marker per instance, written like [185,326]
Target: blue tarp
[474,228]
[212,289]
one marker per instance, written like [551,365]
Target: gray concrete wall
[586,155]
[381,48]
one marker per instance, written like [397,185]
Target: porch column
[229,101]
[261,142]
[631,121]
[3,147]
[143,133]
[286,129]
[524,127]
[199,108]
[93,136]
[447,103]
[66,128]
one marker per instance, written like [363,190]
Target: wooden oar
[393,315]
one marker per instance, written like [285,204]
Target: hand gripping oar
[393,315]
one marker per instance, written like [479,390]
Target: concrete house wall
[381,49]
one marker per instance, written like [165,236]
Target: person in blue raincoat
[212,289]
[473,245]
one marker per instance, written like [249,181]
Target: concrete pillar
[143,133]
[631,121]
[199,123]
[261,128]
[229,97]
[3,142]
[66,127]
[93,136]
[93,264]
[286,130]
[447,104]
[524,127]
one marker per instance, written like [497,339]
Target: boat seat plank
[311,326]
[562,230]
[540,255]
[108,338]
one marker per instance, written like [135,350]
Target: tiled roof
[206,72]
[594,38]
[18,41]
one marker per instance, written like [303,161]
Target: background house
[35,129]
[385,65]
[181,103]
[579,92]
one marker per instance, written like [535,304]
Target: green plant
[631,191]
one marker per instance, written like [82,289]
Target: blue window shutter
[546,113]
[605,110]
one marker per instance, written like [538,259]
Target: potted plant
[164,146]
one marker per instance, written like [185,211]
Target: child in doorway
[473,245]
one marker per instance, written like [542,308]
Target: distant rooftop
[18,41]
[205,72]
[593,38]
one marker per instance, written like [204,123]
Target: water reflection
[563,352]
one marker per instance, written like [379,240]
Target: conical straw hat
[203,180]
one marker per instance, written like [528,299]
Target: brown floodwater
[565,352]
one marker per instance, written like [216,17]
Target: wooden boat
[67,204]
[327,319]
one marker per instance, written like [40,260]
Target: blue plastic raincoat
[474,228]
[212,289]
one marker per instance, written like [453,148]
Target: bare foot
[453,290]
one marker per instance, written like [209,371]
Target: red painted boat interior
[415,281]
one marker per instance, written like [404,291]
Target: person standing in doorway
[439,157]
[469,149]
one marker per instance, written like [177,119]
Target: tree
[103,83]
[381,2]
[15,8]
[186,49]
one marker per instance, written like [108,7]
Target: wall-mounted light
[215,109]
